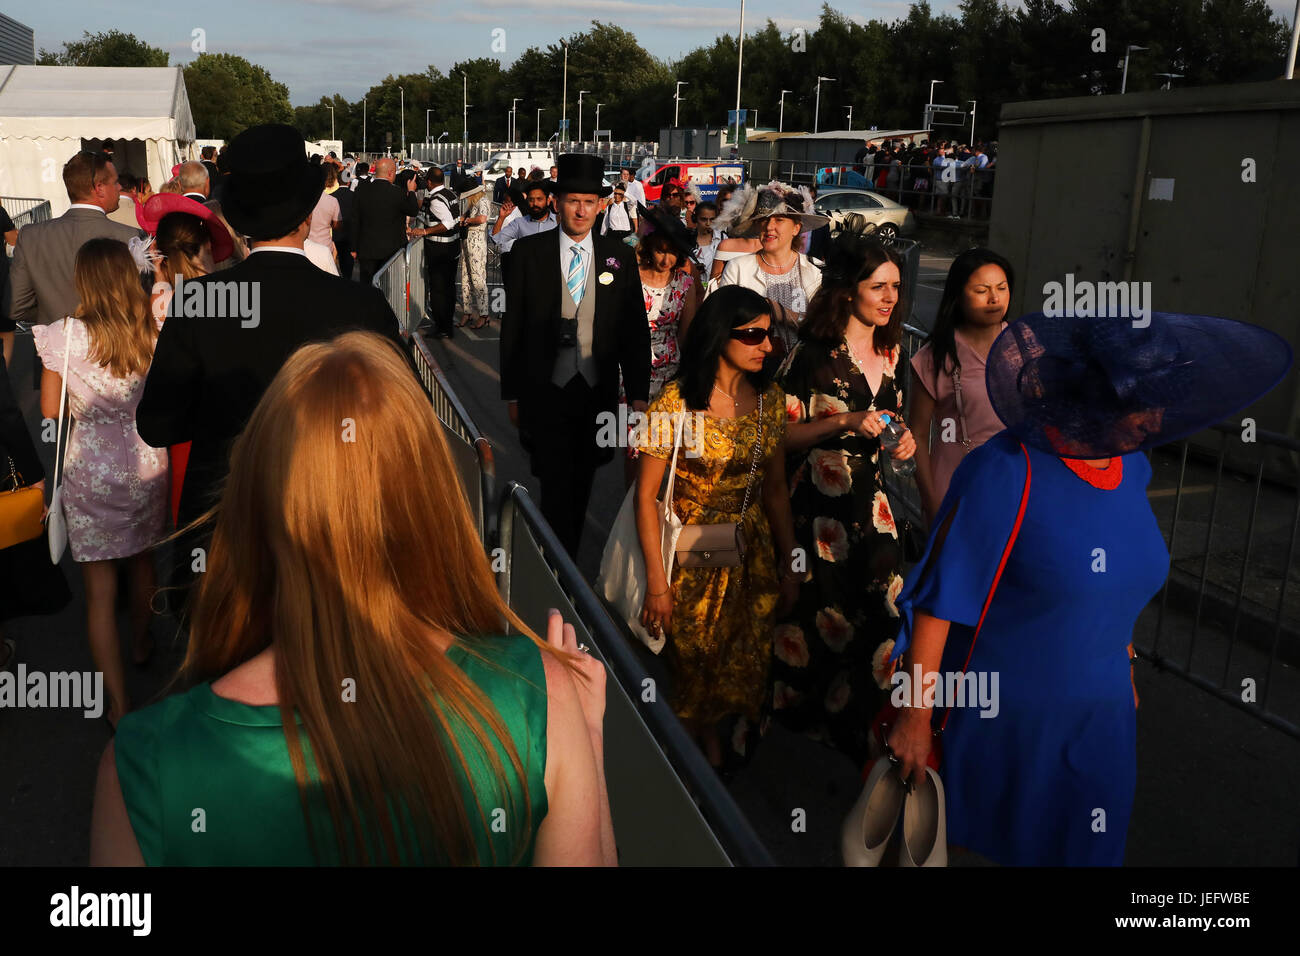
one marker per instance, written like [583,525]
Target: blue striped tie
[577,276]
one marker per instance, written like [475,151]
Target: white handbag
[622,576]
[57,526]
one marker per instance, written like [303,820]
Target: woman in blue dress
[1047,536]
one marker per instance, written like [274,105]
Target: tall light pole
[1123,83]
[850,117]
[514,118]
[1295,42]
[402,145]
[331,109]
[972,122]
[426,125]
[598,106]
[926,122]
[818,108]
[539,125]
[580,92]
[363,124]
[464,99]
[564,98]
[780,126]
[1169,79]
[677,98]
[740,60]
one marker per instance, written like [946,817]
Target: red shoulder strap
[1006,553]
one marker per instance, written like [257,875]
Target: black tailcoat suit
[558,426]
[209,373]
[379,211]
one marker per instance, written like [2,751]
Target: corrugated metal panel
[17,42]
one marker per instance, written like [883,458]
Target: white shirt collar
[86,205]
[567,243]
[294,249]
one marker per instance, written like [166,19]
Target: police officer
[441,250]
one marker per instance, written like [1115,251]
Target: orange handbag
[20,511]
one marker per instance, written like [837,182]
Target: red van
[708,175]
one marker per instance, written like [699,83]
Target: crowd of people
[917,174]
[350,694]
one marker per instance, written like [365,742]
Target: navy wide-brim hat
[1100,387]
[653,219]
[272,185]
[581,173]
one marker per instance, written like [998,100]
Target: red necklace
[1107,479]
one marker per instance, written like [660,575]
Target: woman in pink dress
[950,411]
[114,485]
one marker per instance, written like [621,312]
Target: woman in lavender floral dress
[114,485]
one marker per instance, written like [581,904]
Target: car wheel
[886,230]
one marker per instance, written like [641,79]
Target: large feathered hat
[743,214]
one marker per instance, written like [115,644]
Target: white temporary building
[49,113]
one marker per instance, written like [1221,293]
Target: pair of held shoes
[872,823]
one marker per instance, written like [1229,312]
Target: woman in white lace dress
[473,297]
[114,485]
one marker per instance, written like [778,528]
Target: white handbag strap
[672,468]
[63,398]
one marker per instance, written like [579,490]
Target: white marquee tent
[49,113]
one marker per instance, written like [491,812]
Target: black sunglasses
[751,336]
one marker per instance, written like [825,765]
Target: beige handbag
[720,545]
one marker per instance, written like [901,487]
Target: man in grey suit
[41,288]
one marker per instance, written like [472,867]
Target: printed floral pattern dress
[719,644]
[663,308]
[828,653]
[114,485]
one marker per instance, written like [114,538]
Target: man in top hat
[575,318]
[210,369]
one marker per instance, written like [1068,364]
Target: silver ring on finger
[584,649]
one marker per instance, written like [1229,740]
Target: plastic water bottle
[889,440]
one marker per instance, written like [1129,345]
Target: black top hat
[653,220]
[272,187]
[581,173]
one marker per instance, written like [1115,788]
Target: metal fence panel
[24,211]
[657,821]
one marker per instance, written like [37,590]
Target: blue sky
[324,46]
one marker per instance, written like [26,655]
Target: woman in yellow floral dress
[718,621]
[829,651]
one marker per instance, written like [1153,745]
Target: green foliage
[228,94]
[113,48]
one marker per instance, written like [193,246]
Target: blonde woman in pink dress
[114,485]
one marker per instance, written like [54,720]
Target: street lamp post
[597,134]
[539,125]
[363,124]
[933,84]
[1123,83]
[331,109]
[580,92]
[464,99]
[402,145]
[564,98]
[677,98]
[1169,79]
[426,125]
[780,126]
[972,122]
[514,118]
[850,117]
[740,60]
[818,108]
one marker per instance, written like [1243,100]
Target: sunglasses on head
[751,336]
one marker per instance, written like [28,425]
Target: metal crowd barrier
[391,281]
[668,805]
[24,211]
[1249,538]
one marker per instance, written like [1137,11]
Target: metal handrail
[725,819]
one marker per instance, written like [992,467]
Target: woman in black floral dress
[828,653]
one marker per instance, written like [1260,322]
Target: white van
[495,166]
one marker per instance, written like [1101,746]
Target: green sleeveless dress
[207,781]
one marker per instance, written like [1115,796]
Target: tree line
[986,52]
